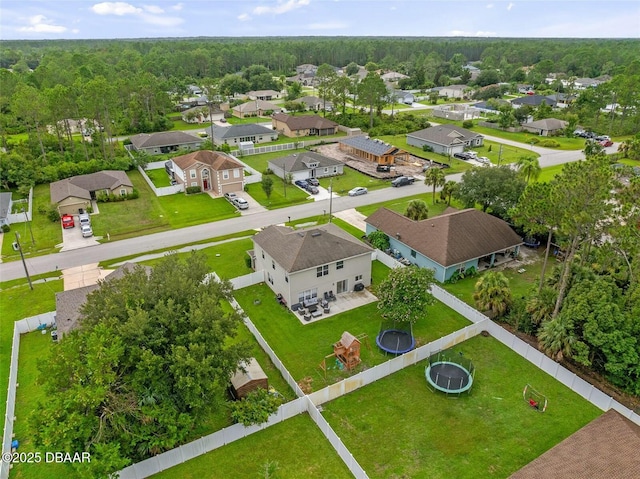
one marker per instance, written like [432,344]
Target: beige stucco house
[306,263]
[77,192]
[210,170]
[255,108]
[304,125]
[165,142]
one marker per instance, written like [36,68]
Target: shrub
[379,240]
[267,171]
[534,140]
[549,143]
[6,228]
[426,148]
[193,189]
[467,124]
[53,214]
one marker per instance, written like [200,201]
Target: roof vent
[301,234]
[398,235]
[316,233]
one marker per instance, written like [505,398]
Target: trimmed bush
[6,228]
[193,189]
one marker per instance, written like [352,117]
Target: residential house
[165,142]
[453,241]
[314,103]
[455,111]
[532,100]
[69,303]
[304,125]
[77,192]
[475,71]
[266,95]
[562,100]
[306,263]
[405,97]
[445,139]
[202,114]
[234,135]
[607,447]
[374,150]
[255,108]
[453,91]
[306,165]
[524,88]
[581,83]
[5,208]
[546,127]
[213,171]
[489,106]
[393,77]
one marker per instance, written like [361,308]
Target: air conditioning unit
[15,246]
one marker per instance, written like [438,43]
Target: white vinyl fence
[25,215]
[162,190]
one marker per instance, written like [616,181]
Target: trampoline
[395,341]
[449,374]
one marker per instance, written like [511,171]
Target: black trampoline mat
[449,376]
[394,340]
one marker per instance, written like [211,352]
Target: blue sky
[71,19]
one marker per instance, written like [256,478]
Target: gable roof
[547,124]
[373,146]
[304,122]
[297,250]
[455,87]
[533,100]
[252,372]
[81,186]
[605,448]
[448,239]
[296,162]
[235,131]
[313,101]
[445,134]
[69,303]
[217,160]
[263,93]
[163,138]
[255,105]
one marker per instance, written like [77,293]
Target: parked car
[383,168]
[606,143]
[302,184]
[230,197]
[462,156]
[603,138]
[240,203]
[313,181]
[86,231]
[579,133]
[484,160]
[67,221]
[84,219]
[312,189]
[402,181]
[357,191]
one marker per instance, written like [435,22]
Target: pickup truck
[67,221]
[402,181]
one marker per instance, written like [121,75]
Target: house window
[123,192]
[340,265]
[225,175]
[192,174]
[286,278]
[273,264]
[236,172]
[269,278]
[413,254]
[322,271]
[335,169]
[359,277]
[262,254]
[308,294]
[326,170]
[194,183]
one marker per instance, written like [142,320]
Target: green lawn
[490,433]
[294,195]
[296,447]
[400,204]
[158,177]
[508,154]
[261,162]
[303,347]
[548,173]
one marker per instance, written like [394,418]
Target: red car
[606,142]
[67,221]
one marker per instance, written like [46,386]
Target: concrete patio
[344,302]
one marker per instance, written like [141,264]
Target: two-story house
[210,170]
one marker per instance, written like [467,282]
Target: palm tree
[540,306]
[435,177]
[492,293]
[556,338]
[529,167]
[448,189]
[417,210]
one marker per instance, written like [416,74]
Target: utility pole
[500,154]
[24,264]
[330,198]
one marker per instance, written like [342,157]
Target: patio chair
[326,309]
[307,317]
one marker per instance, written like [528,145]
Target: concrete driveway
[254,206]
[85,275]
[72,238]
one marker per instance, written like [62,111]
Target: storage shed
[252,378]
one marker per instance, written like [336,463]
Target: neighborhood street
[169,239]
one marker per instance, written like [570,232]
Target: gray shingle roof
[444,134]
[297,250]
[255,105]
[296,162]
[164,138]
[547,124]
[364,143]
[235,131]
[448,239]
[81,186]
[304,122]
[533,100]
[606,448]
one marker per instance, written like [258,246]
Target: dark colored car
[402,181]
[313,181]
[383,168]
[462,156]
[312,189]
[302,184]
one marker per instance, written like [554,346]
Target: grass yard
[303,347]
[17,302]
[350,179]
[277,199]
[490,433]
[400,204]
[509,154]
[547,174]
[261,162]
[158,177]
[296,448]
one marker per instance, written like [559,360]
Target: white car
[86,231]
[240,203]
[484,160]
[357,191]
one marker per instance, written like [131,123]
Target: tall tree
[417,210]
[447,191]
[497,189]
[434,177]
[372,94]
[492,293]
[325,76]
[404,295]
[529,167]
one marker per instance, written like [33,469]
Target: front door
[342,286]
[206,184]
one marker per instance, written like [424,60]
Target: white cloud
[115,8]
[41,24]
[490,5]
[153,9]
[510,6]
[162,21]
[177,7]
[327,26]
[244,17]
[479,33]
[281,7]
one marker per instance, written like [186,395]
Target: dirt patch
[415,166]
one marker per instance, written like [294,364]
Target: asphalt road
[169,239]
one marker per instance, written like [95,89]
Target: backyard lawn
[295,448]
[400,204]
[158,177]
[261,162]
[490,433]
